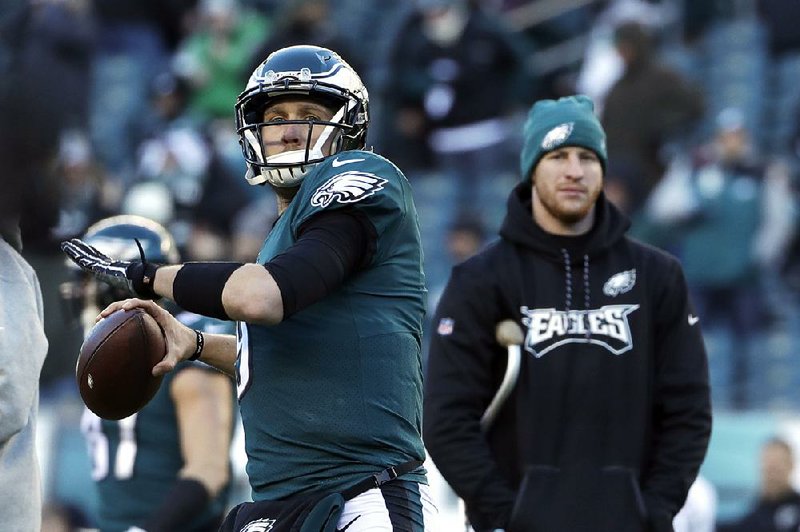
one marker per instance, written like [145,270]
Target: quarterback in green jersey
[166,467]
[329,317]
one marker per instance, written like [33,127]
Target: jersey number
[99,451]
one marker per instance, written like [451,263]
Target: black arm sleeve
[331,246]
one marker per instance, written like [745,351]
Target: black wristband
[198,287]
[184,501]
[142,276]
[198,349]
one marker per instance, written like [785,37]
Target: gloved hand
[132,277]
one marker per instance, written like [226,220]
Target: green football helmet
[116,237]
[319,74]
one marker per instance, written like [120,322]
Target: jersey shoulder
[353,179]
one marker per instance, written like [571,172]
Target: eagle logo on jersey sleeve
[347,187]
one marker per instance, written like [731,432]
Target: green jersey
[136,460]
[333,393]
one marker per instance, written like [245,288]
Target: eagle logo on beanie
[557,135]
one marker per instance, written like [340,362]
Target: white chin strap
[289,176]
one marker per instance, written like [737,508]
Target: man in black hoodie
[610,416]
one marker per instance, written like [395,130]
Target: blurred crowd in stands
[126,106]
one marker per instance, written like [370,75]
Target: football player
[165,468]
[329,317]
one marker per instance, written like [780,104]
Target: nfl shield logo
[445,326]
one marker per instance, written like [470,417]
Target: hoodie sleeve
[22,342]
[682,409]
[459,384]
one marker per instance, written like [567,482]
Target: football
[115,364]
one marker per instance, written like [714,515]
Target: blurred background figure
[134,42]
[778,506]
[215,57]
[459,75]
[718,241]
[166,467]
[465,236]
[459,79]
[306,22]
[44,41]
[649,106]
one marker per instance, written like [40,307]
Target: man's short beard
[567,218]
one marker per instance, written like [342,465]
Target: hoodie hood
[569,251]
[520,228]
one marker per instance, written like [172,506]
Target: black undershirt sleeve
[330,247]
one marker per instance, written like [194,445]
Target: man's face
[566,184]
[776,471]
[289,137]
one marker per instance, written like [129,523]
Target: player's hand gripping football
[180,338]
[134,277]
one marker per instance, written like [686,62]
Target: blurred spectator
[183,179]
[602,66]
[649,106]
[717,241]
[623,186]
[215,57]
[55,39]
[779,229]
[225,194]
[458,75]
[778,506]
[42,92]
[559,30]
[780,18]
[174,156]
[84,195]
[135,40]
[465,236]
[306,22]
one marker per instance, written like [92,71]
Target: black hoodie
[610,417]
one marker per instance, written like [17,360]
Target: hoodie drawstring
[568,280]
[586,282]
[568,287]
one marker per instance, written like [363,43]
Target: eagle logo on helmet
[557,135]
[347,187]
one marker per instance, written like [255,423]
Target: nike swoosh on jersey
[692,319]
[337,163]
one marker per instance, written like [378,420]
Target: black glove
[132,277]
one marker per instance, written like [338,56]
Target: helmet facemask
[287,168]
